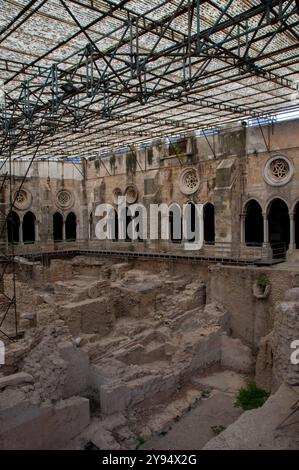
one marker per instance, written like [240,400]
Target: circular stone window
[64,199]
[117,192]
[278,171]
[189,181]
[131,194]
[22,199]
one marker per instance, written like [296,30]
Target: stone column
[21,231]
[242,231]
[292,245]
[36,231]
[266,249]
[63,230]
[266,229]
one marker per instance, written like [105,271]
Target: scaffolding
[85,76]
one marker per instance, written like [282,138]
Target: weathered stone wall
[230,167]
[44,182]
[251,317]
[273,364]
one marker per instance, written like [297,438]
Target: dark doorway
[209,223]
[71,227]
[13,227]
[29,227]
[254,228]
[279,227]
[57,227]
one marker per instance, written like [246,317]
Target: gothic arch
[13,227]
[28,226]
[209,222]
[71,226]
[254,226]
[57,227]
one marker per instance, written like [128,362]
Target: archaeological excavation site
[149,225]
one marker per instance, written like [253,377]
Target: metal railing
[224,252]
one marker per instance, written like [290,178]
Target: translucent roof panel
[89,75]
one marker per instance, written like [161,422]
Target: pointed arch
[209,223]
[13,227]
[254,230]
[57,227]
[28,226]
[279,222]
[71,227]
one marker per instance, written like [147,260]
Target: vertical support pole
[11,205]
[198,24]
[137,48]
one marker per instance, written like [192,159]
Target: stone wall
[230,171]
[251,317]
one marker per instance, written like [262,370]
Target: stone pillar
[242,231]
[266,250]
[63,230]
[36,231]
[21,231]
[266,229]
[292,245]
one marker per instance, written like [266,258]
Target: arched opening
[13,227]
[296,222]
[175,223]
[254,228]
[71,227]
[29,227]
[57,227]
[209,223]
[279,227]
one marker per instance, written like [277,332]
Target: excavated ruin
[113,356]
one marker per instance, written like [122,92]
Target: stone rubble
[119,337]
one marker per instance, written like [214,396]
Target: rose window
[279,168]
[131,194]
[189,181]
[278,171]
[64,199]
[22,199]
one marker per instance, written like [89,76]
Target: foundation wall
[49,427]
[251,317]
